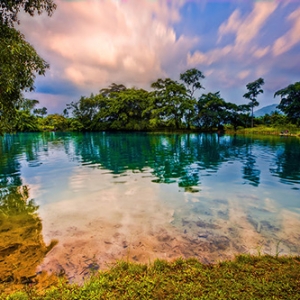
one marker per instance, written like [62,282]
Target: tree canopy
[254,89]
[290,101]
[9,9]
[191,79]
[170,105]
[19,62]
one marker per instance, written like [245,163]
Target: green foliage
[211,110]
[40,111]
[237,115]
[54,122]
[191,78]
[254,89]
[170,106]
[169,103]
[25,122]
[125,109]
[290,101]
[275,119]
[86,109]
[246,277]
[9,9]
[19,64]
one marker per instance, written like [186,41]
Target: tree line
[170,105]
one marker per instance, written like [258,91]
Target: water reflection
[22,247]
[183,158]
[143,195]
[173,157]
[286,165]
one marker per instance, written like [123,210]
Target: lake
[73,203]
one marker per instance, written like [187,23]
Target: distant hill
[266,110]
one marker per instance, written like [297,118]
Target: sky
[90,44]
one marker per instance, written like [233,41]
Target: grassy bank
[266,130]
[245,277]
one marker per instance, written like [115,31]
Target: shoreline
[244,276]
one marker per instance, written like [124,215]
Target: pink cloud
[291,38]
[94,43]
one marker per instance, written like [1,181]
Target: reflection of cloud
[291,38]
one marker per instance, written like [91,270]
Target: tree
[19,62]
[290,101]
[128,107]
[211,111]
[191,78]
[25,122]
[55,122]
[254,89]
[168,105]
[237,114]
[113,88]
[40,111]
[85,110]
[9,9]
[123,109]
[28,104]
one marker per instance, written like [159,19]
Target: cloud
[291,38]
[247,29]
[90,44]
[242,53]
[243,74]
[231,26]
[95,43]
[261,52]
[53,103]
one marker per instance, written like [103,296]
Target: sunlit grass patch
[269,130]
[245,277]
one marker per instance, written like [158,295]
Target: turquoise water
[142,195]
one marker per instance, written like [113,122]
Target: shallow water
[139,196]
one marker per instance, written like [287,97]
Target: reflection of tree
[211,153]
[180,158]
[22,247]
[9,164]
[250,172]
[15,147]
[287,165]
[173,157]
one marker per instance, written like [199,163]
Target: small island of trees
[170,105]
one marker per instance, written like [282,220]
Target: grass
[245,277]
[267,130]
